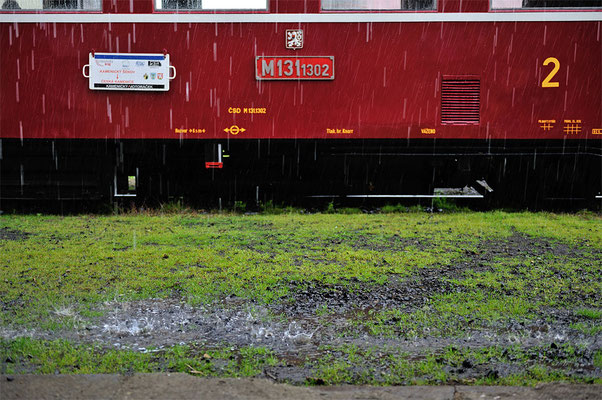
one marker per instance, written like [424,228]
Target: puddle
[161,323]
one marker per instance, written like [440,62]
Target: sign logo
[234,130]
[294,39]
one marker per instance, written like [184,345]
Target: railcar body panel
[388,81]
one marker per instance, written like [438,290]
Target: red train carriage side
[284,100]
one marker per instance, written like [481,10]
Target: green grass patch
[589,313]
[492,365]
[25,355]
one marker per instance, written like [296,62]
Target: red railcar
[289,99]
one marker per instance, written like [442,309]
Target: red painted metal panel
[127,6]
[387,84]
[464,6]
[294,6]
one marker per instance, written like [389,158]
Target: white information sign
[129,71]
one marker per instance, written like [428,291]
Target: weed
[598,359]
[174,207]
[388,209]
[269,208]
[349,210]
[588,329]
[447,205]
[589,313]
[240,206]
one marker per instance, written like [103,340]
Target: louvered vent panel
[460,101]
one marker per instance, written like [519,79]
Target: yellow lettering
[548,81]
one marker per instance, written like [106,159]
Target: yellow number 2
[546,82]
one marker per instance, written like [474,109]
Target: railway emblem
[294,39]
[234,130]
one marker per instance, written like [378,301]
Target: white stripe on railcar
[300,18]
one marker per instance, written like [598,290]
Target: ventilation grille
[460,101]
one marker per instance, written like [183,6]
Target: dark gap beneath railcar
[93,174]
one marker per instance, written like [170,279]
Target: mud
[298,339]
[314,315]
[308,298]
[8,234]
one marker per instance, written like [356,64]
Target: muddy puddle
[299,337]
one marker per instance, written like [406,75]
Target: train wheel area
[97,175]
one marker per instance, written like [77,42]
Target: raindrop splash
[22,179]
[109,111]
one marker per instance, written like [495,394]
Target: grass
[54,278]
[447,366]
[387,366]
[77,261]
[61,356]
[589,313]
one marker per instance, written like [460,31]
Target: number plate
[294,68]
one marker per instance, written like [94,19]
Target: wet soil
[182,386]
[299,327]
[9,234]
[403,293]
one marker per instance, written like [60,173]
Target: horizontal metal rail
[399,196]
[466,154]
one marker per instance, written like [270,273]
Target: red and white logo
[294,39]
